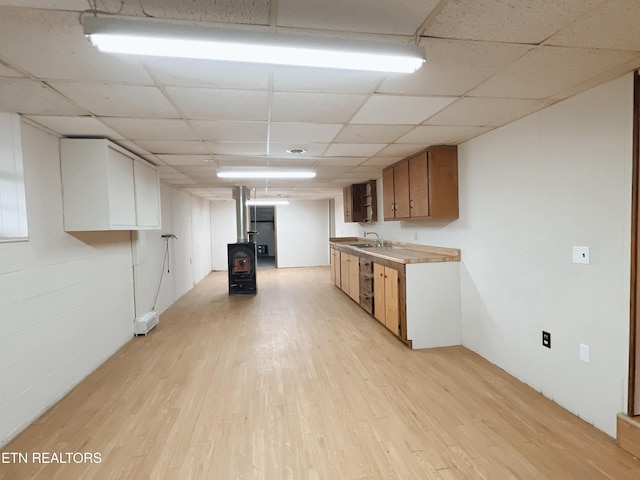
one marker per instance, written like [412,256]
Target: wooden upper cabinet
[443,181]
[395,191]
[359,203]
[425,186]
[401,189]
[388,197]
[347,198]
[419,186]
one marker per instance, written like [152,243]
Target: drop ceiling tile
[454,67]
[382,161]
[52,45]
[396,109]
[370,16]
[76,126]
[612,25]
[133,147]
[223,11]
[354,149]
[600,79]
[441,135]
[151,158]
[175,147]
[291,162]
[325,80]
[328,174]
[7,71]
[483,112]
[151,128]
[303,132]
[314,107]
[198,170]
[228,131]
[311,149]
[21,95]
[48,4]
[349,177]
[400,150]
[339,161]
[182,180]
[109,100]
[237,148]
[231,161]
[528,22]
[181,160]
[218,104]
[371,133]
[180,72]
[166,170]
[371,170]
[548,70]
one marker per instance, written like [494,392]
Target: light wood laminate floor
[299,383]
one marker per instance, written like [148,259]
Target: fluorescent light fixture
[154,38]
[269,201]
[267,172]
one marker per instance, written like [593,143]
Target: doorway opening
[263,222]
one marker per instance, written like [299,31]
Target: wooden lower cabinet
[386,283]
[418,302]
[350,275]
[334,257]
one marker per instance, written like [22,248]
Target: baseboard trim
[628,434]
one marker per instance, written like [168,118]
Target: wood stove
[242,268]
[242,256]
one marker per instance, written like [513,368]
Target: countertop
[397,251]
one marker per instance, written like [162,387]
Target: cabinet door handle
[410,203]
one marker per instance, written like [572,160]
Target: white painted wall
[201,238]
[302,229]
[190,253]
[67,299]
[349,229]
[528,192]
[223,232]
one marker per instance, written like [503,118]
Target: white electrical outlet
[585,353]
[581,255]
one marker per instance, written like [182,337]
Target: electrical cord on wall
[166,260]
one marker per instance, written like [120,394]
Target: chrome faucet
[379,241]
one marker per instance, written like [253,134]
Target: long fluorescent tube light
[263,173]
[193,41]
[266,201]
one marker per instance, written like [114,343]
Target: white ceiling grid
[489,62]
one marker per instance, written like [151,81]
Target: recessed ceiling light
[296,151]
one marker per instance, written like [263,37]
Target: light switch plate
[585,353]
[581,255]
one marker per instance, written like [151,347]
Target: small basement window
[13,208]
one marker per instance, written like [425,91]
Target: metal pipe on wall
[241,195]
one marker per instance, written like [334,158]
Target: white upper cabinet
[105,187]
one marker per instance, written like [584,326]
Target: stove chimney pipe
[241,195]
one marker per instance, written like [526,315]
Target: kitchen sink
[360,245]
